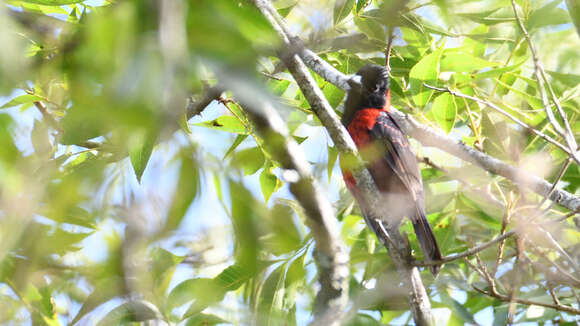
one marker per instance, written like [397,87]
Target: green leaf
[205,320]
[239,139]
[332,157]
[271,298]
[188,186]
[361,4]
[163,266]
[193,289]
[250,160]
[140,148]
[105,290]
[547,15]
[496,72]
[458,309]
[268,182]
[425,71]
[53,2]
[285,6]
[226,123]
[370,25]
[574,11]
[341,9]
[129,312]
[463,62]
[445,110]
[22,99]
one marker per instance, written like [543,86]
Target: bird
[385,149]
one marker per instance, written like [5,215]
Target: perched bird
[389,158]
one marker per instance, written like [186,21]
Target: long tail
[427,241]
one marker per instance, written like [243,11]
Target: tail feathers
[427,241]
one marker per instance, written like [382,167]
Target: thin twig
[389,47]
[504,222]
[515,280]
[540,75]
[505,298]
[466,253]
[505,113]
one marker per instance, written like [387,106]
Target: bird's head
[369,89]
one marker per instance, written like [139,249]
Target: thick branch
[331,254]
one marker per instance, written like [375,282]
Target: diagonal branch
[541,77]
[331,254]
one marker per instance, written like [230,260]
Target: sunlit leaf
[342,8]
[22,99]
[134,311]
[53,2]
[140,149]
[268,182]
[445,110]
[226,123]
[250,159]
[188,186]
[425,71]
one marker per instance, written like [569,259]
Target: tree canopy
[176,162]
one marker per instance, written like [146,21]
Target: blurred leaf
[105,290]
[361,4]
[239,139]
[188,186]
[425,71]
[491,17]
[226,123]
[458,309]
[22,99]
[247,218]
[574,11]
[53,2]
[342,9]
[547,15]
[569,80]
[369,23]
[285,236]
[332,157]
[140,149]
[268,182]
[496,72]
[361,319]
[445,110]
[40,139]
[163,266]
[462,62]
[271,298]
[205,320]
[134,311]
[285,6]
[250,160]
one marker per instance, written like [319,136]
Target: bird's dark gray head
[371,92]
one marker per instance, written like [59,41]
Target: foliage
[104,190]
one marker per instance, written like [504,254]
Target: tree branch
[389,234]
[540,75]
[331,254]
[467,253]
[506,298]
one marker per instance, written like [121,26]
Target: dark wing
[399,156]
